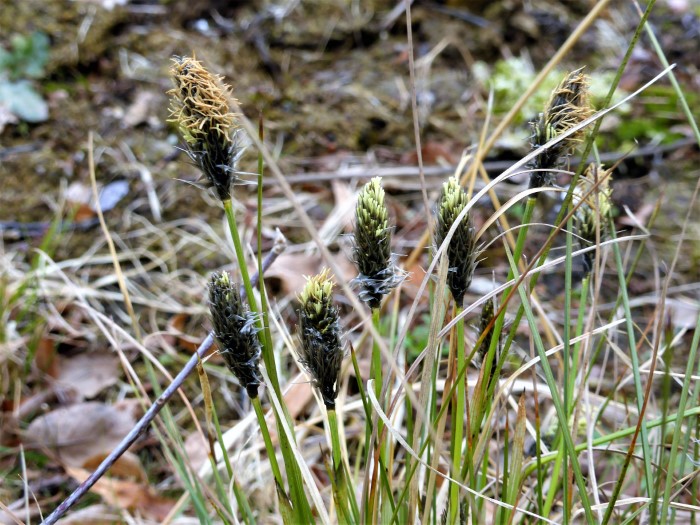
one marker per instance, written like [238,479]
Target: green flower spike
[235,332]
[592,212]
[321,353]
[568,106]
[372,251]
[200,107]
[462,251]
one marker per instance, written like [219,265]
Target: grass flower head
[568,106]
[372,251]
[235,332]
[321,352]
[200,107]
[462,251]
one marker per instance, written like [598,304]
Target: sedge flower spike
[235,332]
[568,106]
[200,107]
[592,213]
[372,250]
[462,251]
[321,352]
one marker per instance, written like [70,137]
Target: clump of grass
[488,462]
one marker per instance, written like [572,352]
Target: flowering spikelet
[235,332]
[200,107]
[592,212]
[372,251]
[321,352]
[568,106]
[462,250]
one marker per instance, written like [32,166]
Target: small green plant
[20,66]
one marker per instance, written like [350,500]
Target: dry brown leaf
[197,449]
[128,495]
[45,358]
[287,274]
[297,397]
[88,374]
[92,515]
[128,466]
[178,325]
[80,432]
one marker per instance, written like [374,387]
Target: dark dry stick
[155,408]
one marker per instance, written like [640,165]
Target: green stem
[240,256]
[339,468]
[268,441]
[459,410]
[376,356]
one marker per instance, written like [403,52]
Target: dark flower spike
[593,211]
[462,251]
[200,107]
[568,106]
[321,353]
[372,250]
[235,332]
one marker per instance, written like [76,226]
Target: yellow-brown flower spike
[593,211]
[321,352]
[372,250]
[462,251]
[235,332]
[568,106]
[200,107]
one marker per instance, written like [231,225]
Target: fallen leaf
[178,324]
[297,397]
[128,466]
[92,515]
[45,357]
[287,274]
[79,432]
[89,373]
[197,450]
[128,495]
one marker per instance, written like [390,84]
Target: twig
[152,412]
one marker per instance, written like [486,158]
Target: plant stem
[459,410]
[257,406]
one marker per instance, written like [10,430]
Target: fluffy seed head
[568,106]
[321,352]
[462,251]
[200,107]
[591,214]
[235,332]
[372,250]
